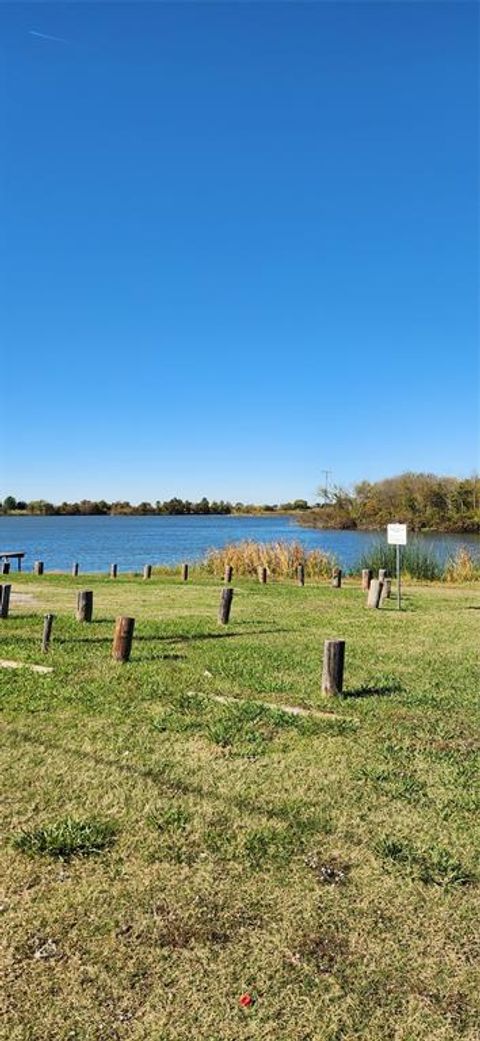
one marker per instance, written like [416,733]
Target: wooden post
[38,567]
[47,631]
[386,590]
[366,578]
[122,639]
[185,572]
[74,570]
[5,601]
[337,578]
[374,593]
[5,569]
[228,573]
[225,605]
[333,662]
[84,605]
[262,575]
[147,571]
[300,574]
[382,574]
[113,570]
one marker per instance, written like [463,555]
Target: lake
[96,542]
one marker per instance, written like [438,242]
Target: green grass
[325,863]
[67,838]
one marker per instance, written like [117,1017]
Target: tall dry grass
[463,567]
[280,558]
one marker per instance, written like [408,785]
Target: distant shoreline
[134,513]
[296,515]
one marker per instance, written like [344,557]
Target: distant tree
[121,507]
[41,506]
[9,503]
[173,507]
[423,501]
[69,509]
[297,504]
[202,507]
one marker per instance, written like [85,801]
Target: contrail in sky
[45,36]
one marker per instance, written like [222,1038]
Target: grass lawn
[167,852]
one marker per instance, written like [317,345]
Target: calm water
[96,542]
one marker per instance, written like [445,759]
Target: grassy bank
[175,839]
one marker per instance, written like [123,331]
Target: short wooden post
[5,568]
[337,578]
[374,593]
[300,575]
[228,573]
[47,631]
[366,578]
[122,639]
[382,574]
[74,570]
[5,600]
[262,575]
[333,662]
[113,570]
[184,572]
[38,567]
[225,605]
[84,605]
[386,590]
[147,571]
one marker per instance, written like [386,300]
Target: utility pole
[327,475]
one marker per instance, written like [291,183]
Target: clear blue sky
[239,245]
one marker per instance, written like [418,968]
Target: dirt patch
[22,598]
[5,663]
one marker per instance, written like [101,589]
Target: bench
[10,555]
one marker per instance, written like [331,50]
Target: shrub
[462,567]
[418,560]
[280,558]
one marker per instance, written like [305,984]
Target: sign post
[397,536]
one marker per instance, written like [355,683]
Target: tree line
[171,507]
[426,502]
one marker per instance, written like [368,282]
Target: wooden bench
[10,555]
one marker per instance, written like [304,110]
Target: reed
[418,561]
[462,567]
[280,558]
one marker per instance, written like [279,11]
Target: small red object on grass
[246,1000]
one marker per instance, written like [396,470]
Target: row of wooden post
[378,590]
[84,610]
[333,651]
[38,569]
[262,571]
[123,635]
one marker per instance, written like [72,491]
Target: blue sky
[239,246]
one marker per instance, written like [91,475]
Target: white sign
[397,534]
